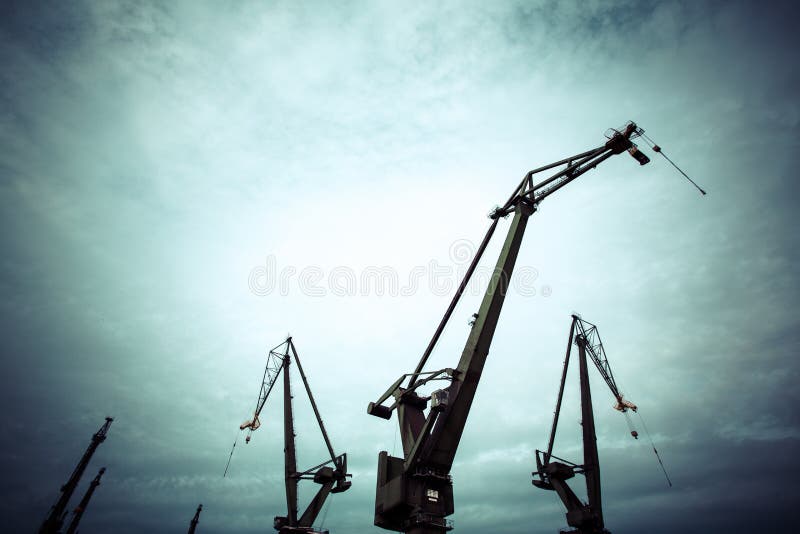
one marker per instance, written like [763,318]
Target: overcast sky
[184,183]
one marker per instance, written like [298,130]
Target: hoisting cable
[658,456]
[657,148]
[634,433]
[325,513]
[231,454]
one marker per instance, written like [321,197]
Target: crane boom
[55,519]
[81,508]
[313,404]
[445,436]
[195,520]
[594,347]
[414,493]
[273,368]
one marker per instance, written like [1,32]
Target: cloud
[153,155]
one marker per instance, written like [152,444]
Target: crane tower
[331,474]
[55,519]
[414,494]
[195,519]
[81,508]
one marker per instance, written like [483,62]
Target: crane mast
[195,519]
[55,518]
[79,511]
[289,450]
[414,494]
[331,474]
[587,518]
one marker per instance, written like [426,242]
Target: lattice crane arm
[594,347]
[619,140]
[273,368]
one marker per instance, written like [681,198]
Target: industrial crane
[553,472]
[78,512]
[330,474]
[414,493]
[55,519]
[195,519]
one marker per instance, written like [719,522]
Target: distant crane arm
[195,520]
[594,347]
[81,508]
[55,519]
[271,372]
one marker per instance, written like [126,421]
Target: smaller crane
[587,518]
[81,508]
[330,474]
[55,519]
[195,519]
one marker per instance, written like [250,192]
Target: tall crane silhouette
[330,474]
[195,519]
[55,518]
[553,472]
[415,493]
[77,513]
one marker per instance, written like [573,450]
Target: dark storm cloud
[152,155]
[48,30]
